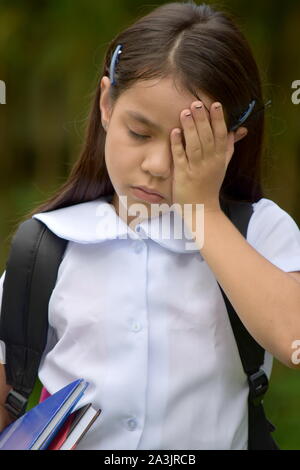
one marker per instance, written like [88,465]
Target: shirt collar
[97,221]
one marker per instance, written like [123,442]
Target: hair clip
[114,63]
[247,113]
[244,116]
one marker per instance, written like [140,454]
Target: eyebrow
[143,119]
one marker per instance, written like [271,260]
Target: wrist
[6,412]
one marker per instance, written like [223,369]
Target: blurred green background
[50,58]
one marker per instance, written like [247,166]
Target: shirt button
[136,326]
[131,424]
[138,246]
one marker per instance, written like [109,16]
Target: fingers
[179,155]
[219,129]
[204,138]
[193,144]
[204,130]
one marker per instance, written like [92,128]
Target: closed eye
[138,136]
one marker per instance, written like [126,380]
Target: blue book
[37,428]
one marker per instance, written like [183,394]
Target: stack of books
[52,424]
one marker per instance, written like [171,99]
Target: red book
[63,433]
[74,428]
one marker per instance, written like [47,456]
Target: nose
[159,162]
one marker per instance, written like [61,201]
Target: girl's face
[143,161]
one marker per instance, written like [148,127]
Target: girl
[141,316]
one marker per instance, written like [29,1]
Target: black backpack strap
[251,353]
[31,273]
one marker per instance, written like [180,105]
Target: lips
[145,196]
[149,191]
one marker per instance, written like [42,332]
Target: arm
[5,417]
[266,298]
[4,388]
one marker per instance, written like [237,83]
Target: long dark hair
[202,49]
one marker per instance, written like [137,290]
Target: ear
[104,102]
[240,133]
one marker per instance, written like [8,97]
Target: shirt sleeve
[275,235]
[51,338]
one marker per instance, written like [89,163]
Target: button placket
[135,325]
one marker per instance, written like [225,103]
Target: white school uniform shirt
[143,320]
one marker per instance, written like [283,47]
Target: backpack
[31,273]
